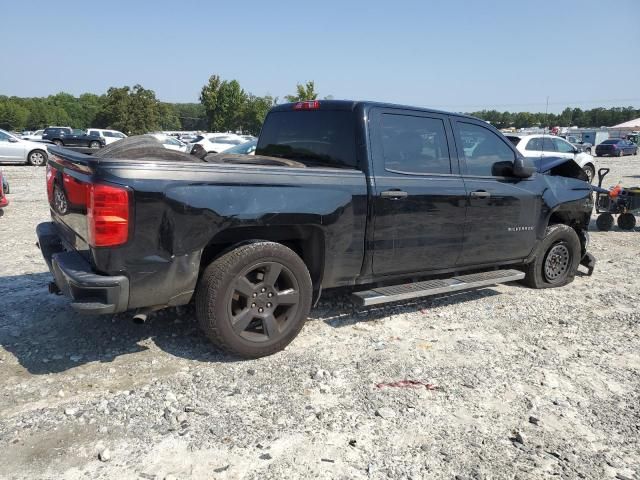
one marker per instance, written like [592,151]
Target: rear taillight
[108,215]
[310,105]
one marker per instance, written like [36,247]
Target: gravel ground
[510,382]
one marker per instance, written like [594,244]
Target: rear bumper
[90,293]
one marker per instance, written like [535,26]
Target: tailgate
[87,212]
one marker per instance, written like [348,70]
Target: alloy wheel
[263,297]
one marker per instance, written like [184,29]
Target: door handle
[394,194]
[480,194]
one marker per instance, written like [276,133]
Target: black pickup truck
[67,137]
[390,201]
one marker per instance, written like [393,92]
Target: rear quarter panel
[180,208]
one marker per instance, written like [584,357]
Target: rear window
[319,138]
[514,140]
[610,142]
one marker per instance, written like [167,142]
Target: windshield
[243,149]
[321,138]
[172,141]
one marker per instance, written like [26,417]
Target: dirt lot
[517,383]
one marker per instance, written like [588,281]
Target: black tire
[37,158]
[590,172]
[626,221]
[94,144]
[58,142]
[245,281]
[604,222]
[621,153]
[556,260]
[589,150]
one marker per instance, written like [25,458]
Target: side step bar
[395,293]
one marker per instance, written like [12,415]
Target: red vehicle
[4,201]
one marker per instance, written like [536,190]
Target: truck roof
[353,104]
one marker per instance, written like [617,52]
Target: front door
[418,196]
[11,150]
[503,211]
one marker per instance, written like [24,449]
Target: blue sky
[454,55]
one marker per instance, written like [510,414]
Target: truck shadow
[46,336]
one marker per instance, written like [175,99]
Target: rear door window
[414,145]
[547,145]
[485,153]
[534,144]
[562,146]
[316,138]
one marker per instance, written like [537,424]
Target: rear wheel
[94,144]
[37,158]
[604,222]
[589,150]
[58,142]
[626,221]
[620,152]
[590,172]
[254,300]
[556,260]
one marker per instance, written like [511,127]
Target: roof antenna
[546,118]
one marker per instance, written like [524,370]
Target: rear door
[502,210]
[419,196]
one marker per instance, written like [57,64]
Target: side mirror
[13,140]
[522,168]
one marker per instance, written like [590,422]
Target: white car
[171,143]
[552,146]
[37,135]
[217,142]
[246,148]
[109,136]
[17,150]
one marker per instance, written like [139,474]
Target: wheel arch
[44,152]
[307,241]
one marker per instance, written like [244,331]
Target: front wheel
[94,144]
[589,150]
[620,153]
[556,260]
[590,172]
[254,300]
[58,143]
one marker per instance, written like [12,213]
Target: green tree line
[224,106]
[596,117]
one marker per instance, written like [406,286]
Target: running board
[395,293]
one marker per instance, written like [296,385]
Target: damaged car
[391,202]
